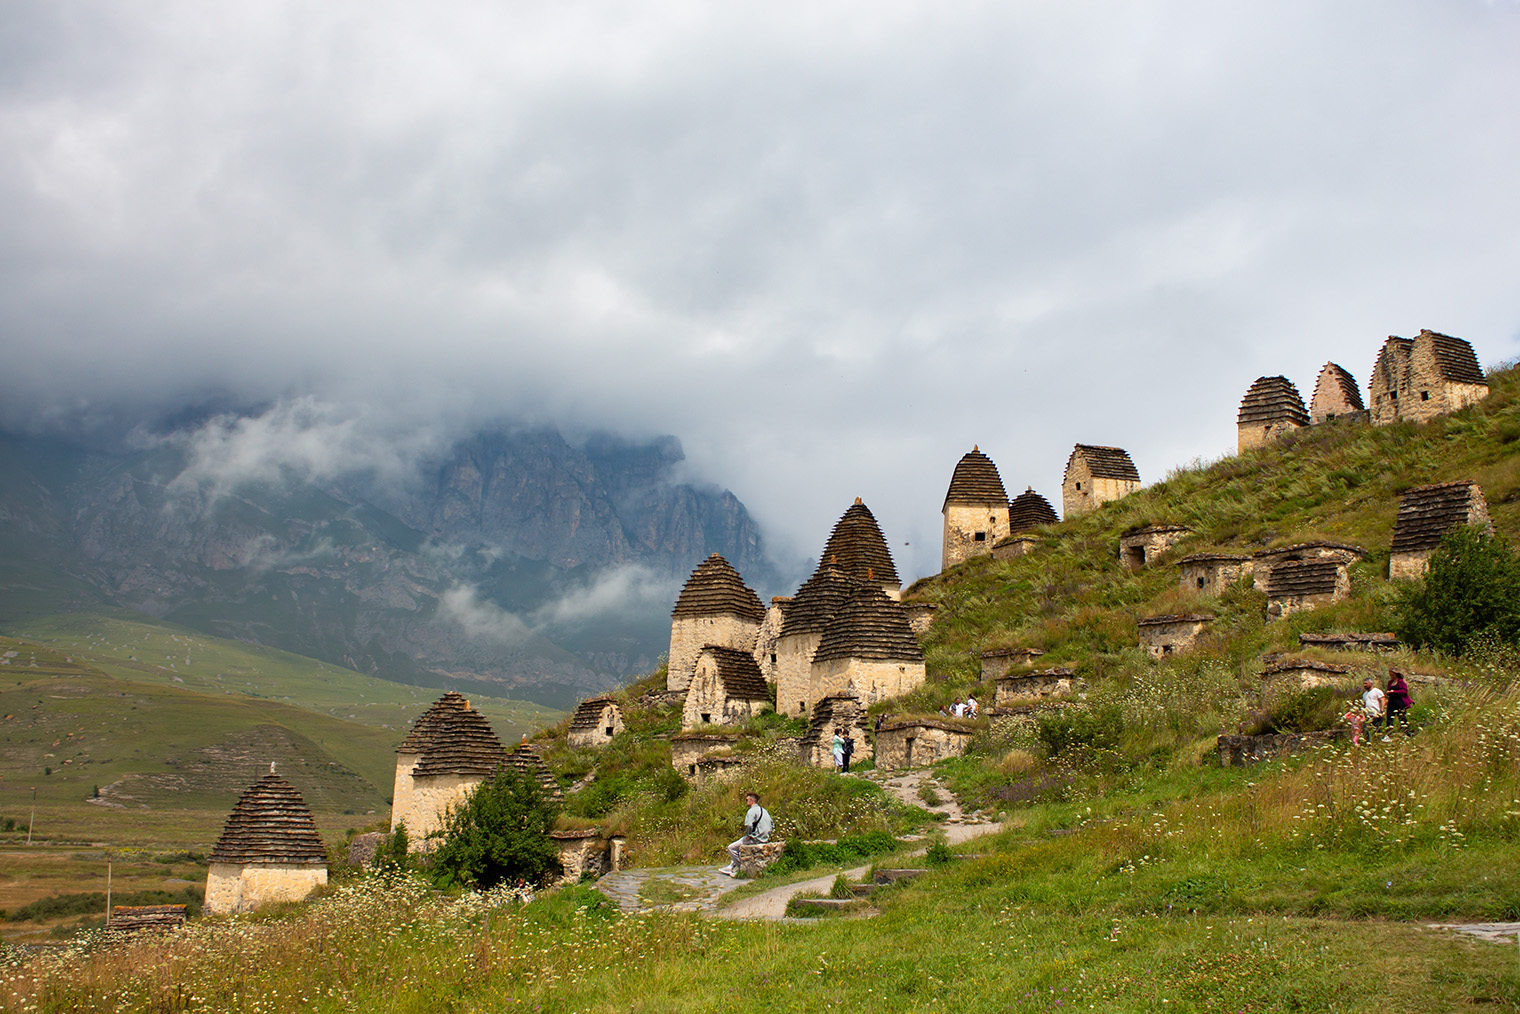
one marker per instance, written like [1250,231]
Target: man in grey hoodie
[757,829]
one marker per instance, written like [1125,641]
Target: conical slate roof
[1029,510]
[589,713]
[739,674]
[453,739]
[270,824]
[1455,359]
[857,547]
[1104,462]
[1426,513]
[716,589]
[817,601]
[527,760]
[1270,400]
[1303,577]
[869,625]
[1392,362]
[975,481]
[1336,384]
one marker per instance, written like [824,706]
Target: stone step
[894,876]
[863,890]
[827,904]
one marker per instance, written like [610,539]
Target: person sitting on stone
[757,831]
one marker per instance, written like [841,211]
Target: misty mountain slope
[514,562]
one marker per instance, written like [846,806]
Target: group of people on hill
[1381,707]
[960,709]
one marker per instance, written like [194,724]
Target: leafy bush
[1301,711]
[1095,728]
[938,855]
[499,833]
[800,855]
[1472,587]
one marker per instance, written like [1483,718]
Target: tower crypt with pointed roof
[715,607]
[867,648]
[857,547]
[1423,377]
[975,509]
[807,617]
[595,722]
[1426,514]
[269,850]
[1336,396]
[1028,511]
[451,749]
[1094,476]
[1271,409]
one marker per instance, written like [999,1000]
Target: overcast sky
[828,245]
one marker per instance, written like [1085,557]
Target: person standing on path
[757,830]
[849,750]
[1372,702]
[838,752]
[1397,700]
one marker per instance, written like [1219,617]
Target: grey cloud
[828,246]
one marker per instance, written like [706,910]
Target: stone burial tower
[269,850]
[450,750]
[975,509]
[1271,409]
[715,607]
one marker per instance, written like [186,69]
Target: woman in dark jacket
[1398,700]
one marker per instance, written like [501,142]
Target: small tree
[1471,588]
[499,833]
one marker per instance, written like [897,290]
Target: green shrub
[1096,728]
[1301,711]
[938,855]
[1472,588]
[500,833]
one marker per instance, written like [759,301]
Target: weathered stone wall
[754,858]
[997,664]
[608,724]
[970,530]
[1252,435]
[1409,566]
[401,790]
[1140,549]
[794,673]
[1081,493]
[1211,577]
[911,746]
[1287,605]
[817,747]
[581,852]
[1162,639]
[232,888]
[1039,686]
[690,634]
[687,751]
[429,803]
[920,617]
[872,679]
[1014,546]
[1238,751]
[1020,717]
[766,655]
[707,702]
[1425,394]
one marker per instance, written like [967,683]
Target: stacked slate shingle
[818,600]
[1427,513]
[869,625]
[451,738]
[1335,394]
[975,481]
[739,674]
[1030,510]
[1297,578]
[1456,362]
[271,824]
[129,920]
[527,760]
[1106,462]
[1272,400]
[588,715]
[716,589]
[857,547]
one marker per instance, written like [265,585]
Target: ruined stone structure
[1306,673]
[998,662]
[1271,409]
[975,510]
[841,712]
[1211,573]
[1171,635]
[1426,514]
[1239,751]
[1265,561]
[726,689]
[585,851]
[867,648]
[137,920]
[1306,584]
[696,755]
[527,760]
[1016,689]
[1094,476]
[1010,546]
[1350,642]
[857,547]
[450,750]
[715,607]
[1336,396]
[595,722]
[766,655]
[1139,547]
[269,850]
[918,742]
[920,617]
[1028,511]
[1423,377]
[812,607]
